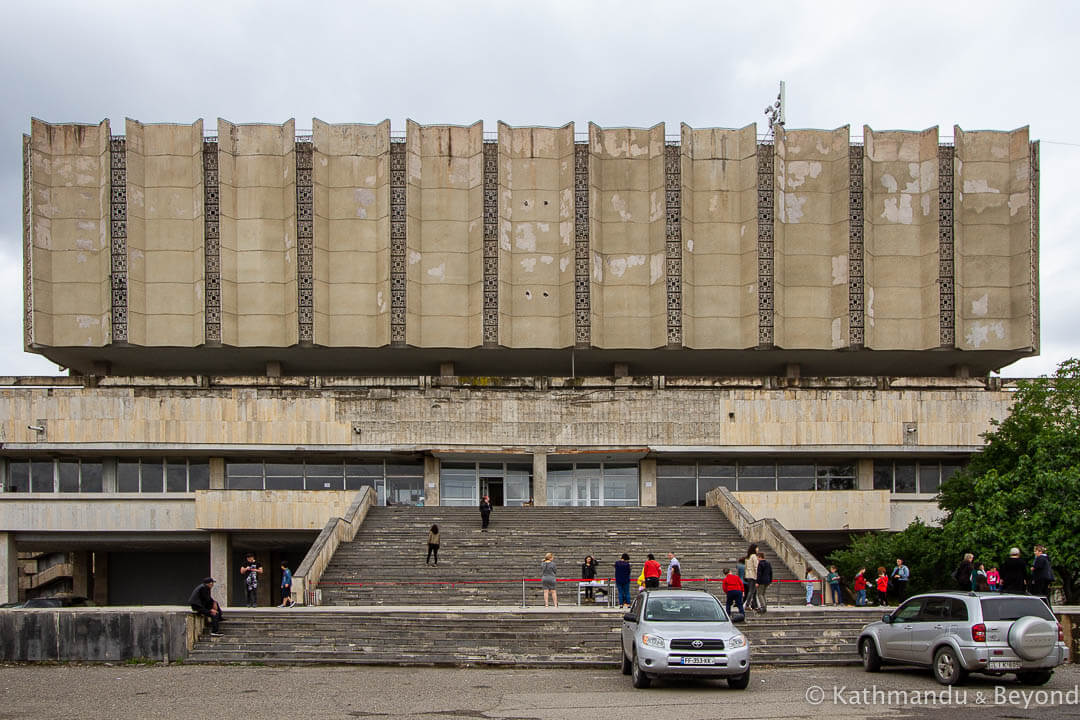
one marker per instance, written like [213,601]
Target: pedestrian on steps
[764,580]
[588,575]
[651,573]
[750,565]
[485,512]
[433,545]
[547,580]
[250,571]
[674,572]
[622,580]
[286,585]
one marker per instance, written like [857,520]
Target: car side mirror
[630,617]
[887,619]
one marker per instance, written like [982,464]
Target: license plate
[698,661]
[1003,665]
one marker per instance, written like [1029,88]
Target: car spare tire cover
[1033,638]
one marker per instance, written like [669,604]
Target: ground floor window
[686,483]
[464,483]
[592,484]
[907,476]
[395,483]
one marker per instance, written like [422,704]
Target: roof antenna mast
[775,112]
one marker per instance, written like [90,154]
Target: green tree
[1022,489]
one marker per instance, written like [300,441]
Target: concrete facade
[231,248]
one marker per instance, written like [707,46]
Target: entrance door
[493,488]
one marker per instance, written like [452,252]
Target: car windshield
[1015,607]
[677,609]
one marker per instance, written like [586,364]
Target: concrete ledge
[97,634]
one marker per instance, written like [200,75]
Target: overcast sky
[911,65]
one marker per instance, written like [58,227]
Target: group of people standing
[1014,576]
[651,572]
[746,585]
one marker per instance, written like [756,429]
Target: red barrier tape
[451,583]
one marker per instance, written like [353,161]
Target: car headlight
[737,642]
[653,641]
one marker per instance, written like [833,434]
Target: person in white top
[750,579]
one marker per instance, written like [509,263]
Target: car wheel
[637,676]
[947,668]
[739,682]
[1035,677]
[627,667]
[871,661]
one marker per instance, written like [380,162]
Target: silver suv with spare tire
[956,633]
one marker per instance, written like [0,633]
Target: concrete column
[647,491]
[9,569]
[80,574]
[431,481]
[101,578]
[217,474]
[539,482]
[864,473]
[220,565]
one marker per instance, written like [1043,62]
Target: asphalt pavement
[182,692]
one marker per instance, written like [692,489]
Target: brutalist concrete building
[259,323]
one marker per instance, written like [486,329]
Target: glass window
[413,471]
[458,486]
[929,477]
[18,479]
[288,470]
[904,474]
[283,481]
[323,471]
[883,475]
[371,470]
[560,487]
[908,611]
[152,479]
[948,470]
[91,476]
[682,471]
[707,484]
[355,483]
[198,476]
[404,490]
[41,476]
[620,485]
[326,482]
[244,470]
[836,477]
[127,476]
[795,477]
[243,483]
[68,473]
[518,485]
[176,475]
[675,491]
[717,470]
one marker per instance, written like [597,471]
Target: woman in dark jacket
[588,574]
[963,573]
[1014,574]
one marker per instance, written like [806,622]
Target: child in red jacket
[733,590]
[860,587]
[882,587]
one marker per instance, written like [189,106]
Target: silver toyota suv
[955,633]
[684,633]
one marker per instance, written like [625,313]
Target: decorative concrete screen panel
[66,244]
[165,227]
[351,179]
[995,296]
[811,250]
[720,270]
[902,272]
[258,234]
[445,254]
[627,229]
[536,236]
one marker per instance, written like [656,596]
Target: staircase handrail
[769,530]
[336,531]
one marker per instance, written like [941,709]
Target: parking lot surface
[181,692]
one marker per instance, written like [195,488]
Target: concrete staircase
[385,563]
[790,637]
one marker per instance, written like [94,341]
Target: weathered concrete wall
[903,512]
[165,227]
[709,413]
[94,512]
[268,509]
[67,248]
[445,235]
[257,181]
[627,230]
[811,238]
[536,232]
[901,263]
[996,274]
[351,184]
[97,635]
[720,253]
[810,510]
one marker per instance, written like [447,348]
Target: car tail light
[1061,634]
[978,633]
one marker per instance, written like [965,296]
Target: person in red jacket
[652,573]
[882,587]
[860,587]
[733,590]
